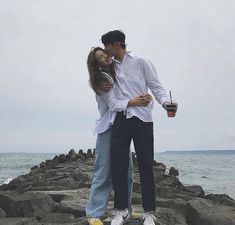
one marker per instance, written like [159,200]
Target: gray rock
[6,200]
[166,216]
[72,152]
[2,213]
[221,199]
[58,192]
[173,172]
[196,190]
[177,204]
[80,152]
[89,153]
[30,202]
[45,217]
[203,212]
[18,221]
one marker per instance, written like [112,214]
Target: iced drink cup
[170,113]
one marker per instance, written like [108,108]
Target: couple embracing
[121,82]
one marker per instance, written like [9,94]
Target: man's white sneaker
[148,218]
[120,217]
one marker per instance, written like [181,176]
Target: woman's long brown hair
[95,69]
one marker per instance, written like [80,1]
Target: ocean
[213,171]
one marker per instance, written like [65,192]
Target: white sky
[46,104]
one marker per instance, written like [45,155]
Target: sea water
[13,165]
[214,172]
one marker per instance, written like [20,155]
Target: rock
[70,201]
[2,213]
[46,217]
[221,199]
[89,154]
[42,165]
[177,204]
[35,167]
[57,192]
[80,152]
[30,202]
[203,212]
[80,156]
[62,158]
[6,200]
[56,160]
[18,221]
[166,216]
[173,172]
[196,190]
[136,199]
[72,152]
[159,167]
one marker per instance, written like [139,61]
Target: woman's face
[103,58]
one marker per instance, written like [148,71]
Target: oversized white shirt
[108,109]
[134,76]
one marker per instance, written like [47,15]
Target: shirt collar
[127,54]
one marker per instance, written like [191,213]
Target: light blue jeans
[102,184]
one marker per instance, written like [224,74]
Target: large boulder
[30,202]
[167,216]
[221,199]
[203,212]
[6,200]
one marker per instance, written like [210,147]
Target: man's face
[110,49]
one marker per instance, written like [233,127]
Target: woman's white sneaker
[120,217]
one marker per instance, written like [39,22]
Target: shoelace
[116,212]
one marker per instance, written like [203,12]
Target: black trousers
[123,131]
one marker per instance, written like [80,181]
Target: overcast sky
[46,104]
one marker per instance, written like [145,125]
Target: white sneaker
[120,217]
[148,218]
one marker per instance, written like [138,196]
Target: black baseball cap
[113,36]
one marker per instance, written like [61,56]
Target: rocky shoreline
[56,192]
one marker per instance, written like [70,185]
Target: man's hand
[105,86]
[142,100]
[172,107]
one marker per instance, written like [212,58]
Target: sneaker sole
[127,220]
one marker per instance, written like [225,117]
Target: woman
[102,78]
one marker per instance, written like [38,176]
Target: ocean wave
[7,180]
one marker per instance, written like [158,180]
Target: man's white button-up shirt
[134,76]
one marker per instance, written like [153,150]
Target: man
[134,76]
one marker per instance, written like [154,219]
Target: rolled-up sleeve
[153,82]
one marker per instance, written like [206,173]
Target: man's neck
[120,55]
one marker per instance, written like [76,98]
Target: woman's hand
[142,100]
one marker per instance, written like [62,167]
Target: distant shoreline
[164,152]
[200,152]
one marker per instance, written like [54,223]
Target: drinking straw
[170,97]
